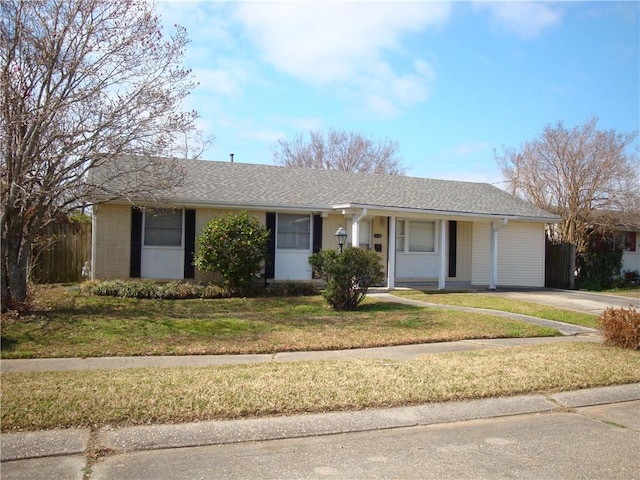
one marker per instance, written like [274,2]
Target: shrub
[598,269]
[291,289]
[347,276]
[150,289]
[235,246]
[126,289]
[621,327]
[630,278]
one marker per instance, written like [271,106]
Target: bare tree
[339,150]
[84,84]
[574,172]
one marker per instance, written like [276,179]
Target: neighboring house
[424,230]
[622,231]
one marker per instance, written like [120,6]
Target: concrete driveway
[579,301]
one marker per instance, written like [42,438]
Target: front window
[415,236]
[294,231]
[421,236]
[163,228]
[400,236]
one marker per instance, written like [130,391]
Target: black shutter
[317,233]
[270,267]
[189,243]
[136,243]
[453,247]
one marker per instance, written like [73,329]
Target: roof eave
[448,213]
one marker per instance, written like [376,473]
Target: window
[294,231]
[364,233]
[400,236]
[163,228]
[625,241]
[421,236]
[415,236]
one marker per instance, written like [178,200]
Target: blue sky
[450,82]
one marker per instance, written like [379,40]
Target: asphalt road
[544,446]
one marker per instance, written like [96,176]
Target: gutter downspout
[93,242]
[391,255]
[493,281]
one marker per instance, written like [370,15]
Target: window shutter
[270,266]
[453,247]
[189,243]
[317,233]
[136,243]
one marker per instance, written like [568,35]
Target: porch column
[355,232]
[442,274]
[391,254]
[493,266]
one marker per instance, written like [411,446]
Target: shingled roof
[248,185]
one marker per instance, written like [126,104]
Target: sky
[451,82]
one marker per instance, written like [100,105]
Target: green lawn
[494,302]
[68,323]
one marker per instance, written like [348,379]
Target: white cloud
[469,148]
[347,44]
[523,19]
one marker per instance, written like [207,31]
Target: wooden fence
[560,265]
[68,247]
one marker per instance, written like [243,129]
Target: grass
[478,300]
[631,292]
[33,401]
[68,323]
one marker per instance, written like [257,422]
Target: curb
[18,446]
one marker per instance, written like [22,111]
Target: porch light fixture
[341,238]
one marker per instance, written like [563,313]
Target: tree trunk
[15,258]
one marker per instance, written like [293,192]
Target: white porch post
[355,232]
[442,274]
[493,270]
[391,255]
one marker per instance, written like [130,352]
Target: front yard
[68,323]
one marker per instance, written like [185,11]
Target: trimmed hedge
[150,289]
[184,290]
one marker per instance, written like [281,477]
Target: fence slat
[62,261]
[559,265]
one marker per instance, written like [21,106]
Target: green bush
[599,269]
[291,289]
[347,276]
[235,246]
[621,327]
